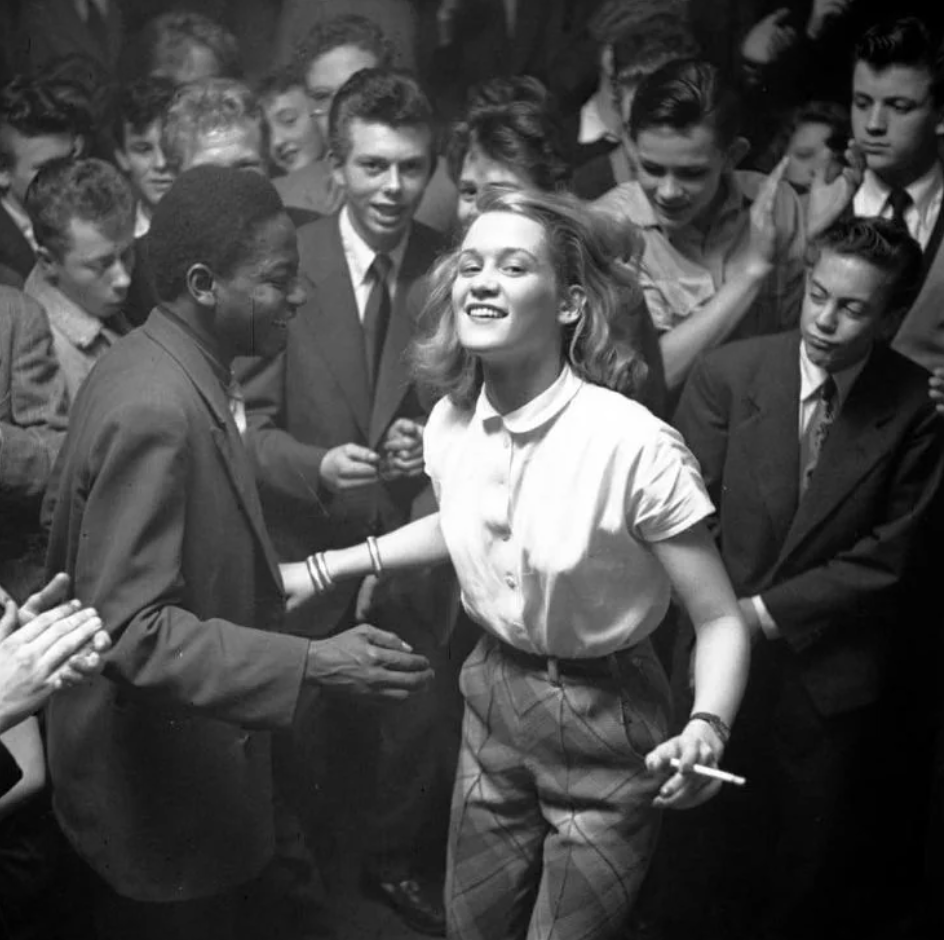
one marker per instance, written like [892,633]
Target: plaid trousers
[552,827]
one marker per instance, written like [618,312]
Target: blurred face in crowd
[329,72]
[21,158]
[95,269]
[505,296]
[895,121]
[809,152]
[239,146]
[479,171]
[255,303]
[294,138]
[385,175]
[142,160]
[844,310]
[197,63]
[680,172]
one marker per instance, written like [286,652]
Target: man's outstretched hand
[368,663]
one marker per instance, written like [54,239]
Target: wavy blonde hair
[587,250]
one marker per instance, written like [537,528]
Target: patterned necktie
[377,315]
[823,417]
[237,404]
[900,201]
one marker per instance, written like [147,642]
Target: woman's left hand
[697,744]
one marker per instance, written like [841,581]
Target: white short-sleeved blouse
[547,512]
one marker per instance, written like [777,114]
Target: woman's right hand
[698,743]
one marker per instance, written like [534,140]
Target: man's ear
[738,149]
[572,305]
[939,128]
[122,160]
[201,285]
[337,167]
[6,179]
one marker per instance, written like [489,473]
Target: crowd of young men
[220,363]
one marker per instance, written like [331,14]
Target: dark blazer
[316,396]
[15,251]
[833,567]
[160,770]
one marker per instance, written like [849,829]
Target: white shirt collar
[592,125]
[142,221]
[360,256]
[812,377]
[78,326]
[539,410]
[925,193]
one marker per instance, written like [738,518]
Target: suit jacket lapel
[331,315]
[849,452]
[769,438]
[225,435]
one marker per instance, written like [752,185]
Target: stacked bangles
[321,579]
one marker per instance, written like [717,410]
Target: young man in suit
[825,459]
[37,126]
[897,121]
[162,768]
[336,424]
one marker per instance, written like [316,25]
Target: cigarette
[712,772]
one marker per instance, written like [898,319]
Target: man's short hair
[138,104]
[883,243]
[89,190]
[349,29]
[211,215]
[166,40]
[38,108]
[513,121]
[683,94]
[907,42]
[655,39]
[377,96]
[201,108]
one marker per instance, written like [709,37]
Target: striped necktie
[822,419]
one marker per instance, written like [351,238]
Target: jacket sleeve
[34,415]
[702,419]
[284,466]
[129,565]
[866,580]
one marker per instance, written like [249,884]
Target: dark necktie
[377,315]
[820,423]
[900,201]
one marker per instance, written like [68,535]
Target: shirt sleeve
[433,435]
[665,494]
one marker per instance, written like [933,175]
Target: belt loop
[553,671]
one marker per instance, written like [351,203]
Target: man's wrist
[715,722]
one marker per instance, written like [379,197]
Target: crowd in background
[769,176]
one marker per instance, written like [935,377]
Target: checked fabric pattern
[552,830]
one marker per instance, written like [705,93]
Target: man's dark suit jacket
[316,396]
[160,770]
[833,567]
[15,251]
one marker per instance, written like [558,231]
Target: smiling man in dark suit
[162,769]
[824,456]
[336,425]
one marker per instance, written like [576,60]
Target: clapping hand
[832,190]
[770,38]
[44,646]
[822,12]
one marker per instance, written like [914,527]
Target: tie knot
[381,267]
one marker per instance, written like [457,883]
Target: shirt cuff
[771,630]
